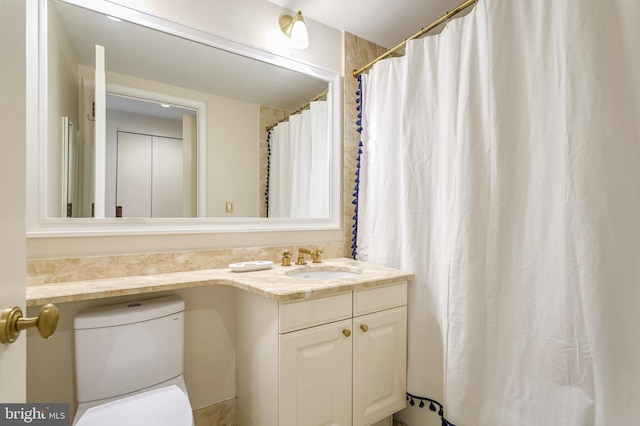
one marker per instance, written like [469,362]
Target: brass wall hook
[12,322]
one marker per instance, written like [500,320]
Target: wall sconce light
[295,28]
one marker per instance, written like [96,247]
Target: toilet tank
[127,347]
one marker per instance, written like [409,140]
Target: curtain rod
[419,34]
[320,96]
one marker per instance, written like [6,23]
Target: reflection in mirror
[212,152]
[150,153]
[298,181]
[70,167]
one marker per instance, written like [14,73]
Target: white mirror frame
[39,225]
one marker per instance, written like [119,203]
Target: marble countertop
[273,283]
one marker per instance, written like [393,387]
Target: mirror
[166,84]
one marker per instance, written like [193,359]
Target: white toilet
[129,364]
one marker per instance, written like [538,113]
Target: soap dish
[255,265]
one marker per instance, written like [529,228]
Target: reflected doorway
[151,166]
[149,178]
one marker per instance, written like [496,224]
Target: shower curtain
[298,184]
[501,164]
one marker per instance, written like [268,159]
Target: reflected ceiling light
[165,105]
[113,18]
[295,28]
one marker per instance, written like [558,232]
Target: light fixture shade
[299,35]
[295,28]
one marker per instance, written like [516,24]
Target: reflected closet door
[149,176]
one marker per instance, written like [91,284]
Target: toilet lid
[167,406]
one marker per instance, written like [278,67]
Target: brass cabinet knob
[346,332]
[12,322]
[364,327]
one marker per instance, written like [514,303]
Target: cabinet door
[315,376]
[379,365]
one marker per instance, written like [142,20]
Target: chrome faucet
[315,256]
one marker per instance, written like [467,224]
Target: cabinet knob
[346,332]
[364,327]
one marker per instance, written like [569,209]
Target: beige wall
[233,165]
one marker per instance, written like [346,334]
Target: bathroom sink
[320,273]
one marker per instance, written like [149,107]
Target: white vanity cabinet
[335,360]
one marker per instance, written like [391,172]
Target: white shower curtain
[299,165]
[501,165]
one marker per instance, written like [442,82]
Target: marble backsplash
[58,270]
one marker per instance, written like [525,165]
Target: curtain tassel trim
[433,406]
[356,188]
[266,191]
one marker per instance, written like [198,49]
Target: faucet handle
[316,256]
[286,258]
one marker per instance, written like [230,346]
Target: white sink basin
[324,273]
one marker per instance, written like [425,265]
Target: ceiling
[385,22]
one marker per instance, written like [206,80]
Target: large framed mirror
[148,126]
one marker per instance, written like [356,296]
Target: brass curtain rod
[419,34]
[320,96]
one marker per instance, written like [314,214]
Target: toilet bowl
[129,364]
